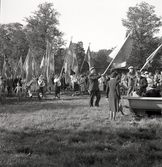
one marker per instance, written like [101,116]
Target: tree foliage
[43,27]
[101,59]
[13,42]
[144,24]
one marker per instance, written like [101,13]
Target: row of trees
[43,26]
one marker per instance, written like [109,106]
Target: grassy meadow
[68,133]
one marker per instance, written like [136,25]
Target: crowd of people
[132,83]
[142,83]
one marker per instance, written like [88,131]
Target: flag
[67,73]
[5,70]
[19,68]
[152,56]
[52,62]
[47,64]
[69,55]
[34,68]
[121,53]
[43,66]
[74,66]
[67,66]
[70,63]
[28,66]
[49,61]
[149,60]
[42,63]
[88,59]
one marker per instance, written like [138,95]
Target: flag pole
[144,65]
[151,56]
[108,66]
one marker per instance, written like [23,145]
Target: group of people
[142,83]
[135,83]
[112,91]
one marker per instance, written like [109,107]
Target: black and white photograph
[80,83]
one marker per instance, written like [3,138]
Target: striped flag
[52,62]
[120,54]
[5,70]
[48,56]
[19,68]
[74,66]
[88,59]
[67,73]
[28,66]
[69,56]
[34,68]
[67,66]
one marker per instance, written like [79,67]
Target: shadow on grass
[81,148]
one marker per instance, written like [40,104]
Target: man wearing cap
[130,80]
[94,87]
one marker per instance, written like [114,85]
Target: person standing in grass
[130,77]
[41,84]
[113,89]
[18,91]
[94,87]
[57,86]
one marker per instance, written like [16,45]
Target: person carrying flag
[94,87]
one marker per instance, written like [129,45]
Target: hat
[146,72]
[91,68]
[131,67]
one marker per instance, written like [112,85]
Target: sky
[94,22]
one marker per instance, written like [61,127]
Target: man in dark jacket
[94,87]
[140,84]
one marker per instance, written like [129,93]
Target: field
[68,133]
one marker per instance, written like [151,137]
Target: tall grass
[68,133]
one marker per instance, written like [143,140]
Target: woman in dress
[113,94]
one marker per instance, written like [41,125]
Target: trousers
[94,93]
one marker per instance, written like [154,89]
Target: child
[41,84]
[57,84]
[18,90]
